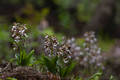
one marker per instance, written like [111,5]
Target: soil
[24,73]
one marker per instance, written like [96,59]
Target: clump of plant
[54,48]
[92,53]
[57,57]
[74,48]
[19,36]
[88,56]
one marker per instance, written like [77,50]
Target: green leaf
[56,66]
[96,76]
[11,78]
[112,78]
[51,64]
[24,59]
[29,58]
[64,71]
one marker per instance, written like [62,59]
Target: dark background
[66,16]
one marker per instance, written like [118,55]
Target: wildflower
[92,53]
[91,41]
[81,53]
[99,51]
[95,39]
[73,39]
[53,48]
[86,34]
[86,49]
[18,32]
[77,48]
[87,39]
[65,60]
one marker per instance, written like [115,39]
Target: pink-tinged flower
[19,32]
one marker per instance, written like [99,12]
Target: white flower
[85,59]
[95,39]
[17,41]
[46,36]
[92,35]
[91,41]
[14,48]
[61,53]
[93,51]
[68,41]
[73,45]
[98,64]
[81,53]
[87,39]
[86,49]
[13,35]
[77,58]
[69,57]
[66,61]
[93,60]
[17,37]
[73,39]
[13,28]
[99,51]
[49,55]
[94,47]
[86,34]
[77,48]
[99,57]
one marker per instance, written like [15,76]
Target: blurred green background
[61,18]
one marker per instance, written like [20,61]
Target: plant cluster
[54,48]
[19,35]
[59,58]
[18,32]
[92,53]
[89,55]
